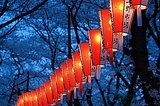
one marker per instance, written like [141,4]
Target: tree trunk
[69,34]
[27,82]
[140,56]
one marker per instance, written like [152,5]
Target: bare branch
[22,15]
[4,8]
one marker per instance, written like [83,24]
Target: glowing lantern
[109,40]
[70,69]
[121,15]
[59,80]
[96,47]
[48,90]
[139,5]
[54,88]
[25,99]
[34,98]
[20,101]
[29,98]
[39,96]
[66,79]
[43,96]
[85,55]
[71,74]
[80,78]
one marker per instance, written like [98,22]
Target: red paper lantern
[96,47]
[29,98]
[54,88]
[80,78]
[139,5]
[34,98]
[20,101]
[85,55]
[66,79]
[65,76]
[39,96]
[110,41]
[43,95]
[74,85]
[48,90]
[70,70]
[121,15]
[59,80]
[25,99]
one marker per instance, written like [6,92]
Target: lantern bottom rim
[63,94]
[140,6]
[111,49]
[101,65]
[120,33]
[83,82]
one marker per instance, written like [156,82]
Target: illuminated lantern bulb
[139,5]
[61,78]
[98,36]
[121,7]
[80,64]
[89,53]
[110,22]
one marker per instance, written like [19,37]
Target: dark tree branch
[22,15]
[102,92]
[84,34]
[8,32]
[123,79]
[94,4]
[4,8]
[131,92]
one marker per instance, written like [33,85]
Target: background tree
[33,39]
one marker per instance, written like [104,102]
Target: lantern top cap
[139,4]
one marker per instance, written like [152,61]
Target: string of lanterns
[85,64]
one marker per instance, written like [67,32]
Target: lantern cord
[61,98]
[75,93]
[81,87]
[111,56]
[121,42]
[98,71]
[69,94]
[89,82]
[139,16]
[56,102]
